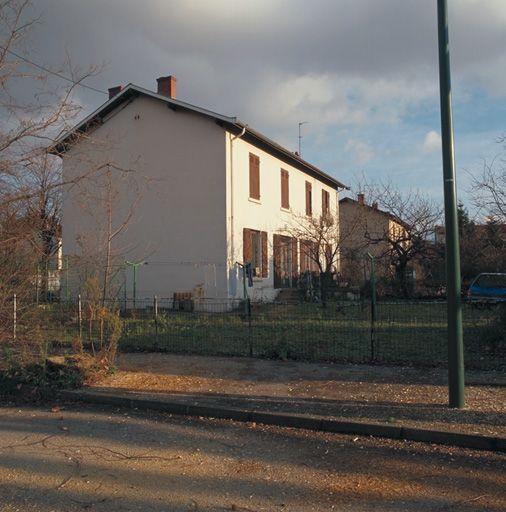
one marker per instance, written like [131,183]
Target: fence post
[80,315]
[373,304]
[250,338]
[155,312]
[14,317]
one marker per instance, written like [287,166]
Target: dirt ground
[407,396]
[77,458]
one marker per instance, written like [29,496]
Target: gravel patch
[378,394]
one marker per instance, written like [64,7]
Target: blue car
[489,288]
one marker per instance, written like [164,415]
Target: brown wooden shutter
[254,176]
[276,257]
[315,255]
[295,261]
[285,190]
[265,260]
[247,249]
[325,201]
[309,206]
[304,256]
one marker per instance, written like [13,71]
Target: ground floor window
[255,251]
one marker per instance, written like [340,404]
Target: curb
[472,441]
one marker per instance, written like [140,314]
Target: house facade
[365,229]
[196,195]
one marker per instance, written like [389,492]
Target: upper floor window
[254,176]
[285,189]
[325,202]
[309,199]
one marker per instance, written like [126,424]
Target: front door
[285,261]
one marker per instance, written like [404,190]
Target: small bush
[494,334]
[41,380]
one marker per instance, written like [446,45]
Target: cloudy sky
[362,73]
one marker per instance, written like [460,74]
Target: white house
[217,194]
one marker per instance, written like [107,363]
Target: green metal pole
[453,284]
[134,265]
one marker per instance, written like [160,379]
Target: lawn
[403,333]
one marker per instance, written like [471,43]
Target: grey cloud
[234,55]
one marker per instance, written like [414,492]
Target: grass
[404,334]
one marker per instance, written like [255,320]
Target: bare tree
[489,187]
[30,177]
[110,200]
[321,239]
[413,217]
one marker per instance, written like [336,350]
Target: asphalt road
[81,458]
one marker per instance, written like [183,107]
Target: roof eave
[65,141]
[293,159]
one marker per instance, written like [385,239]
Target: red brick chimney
[361,199]
[167,86]
[115,90]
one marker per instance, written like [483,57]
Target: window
[325,202]
[255,251]
[254,176]
[309,199]
[285,190]
[308,254]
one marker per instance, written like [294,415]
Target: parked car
[488,288]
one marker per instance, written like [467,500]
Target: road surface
[75,458]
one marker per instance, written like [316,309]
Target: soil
[403,395]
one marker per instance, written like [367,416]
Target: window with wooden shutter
[325,202]
[254,176]
[304,256]
[247,252]
[255,251]
[309,199]
[265,261]
[295,260]
[285,190]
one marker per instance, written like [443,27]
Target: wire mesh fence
[411,333]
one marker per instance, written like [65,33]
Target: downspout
[232,246]
[338,263]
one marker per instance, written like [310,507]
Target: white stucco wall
[189,184]
[178,161]
[266,214]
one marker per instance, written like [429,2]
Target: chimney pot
[375,205]
[115,90]
[167,86]
[361,199]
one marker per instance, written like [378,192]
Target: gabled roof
[391,216]
[231,124]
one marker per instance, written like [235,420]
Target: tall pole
[453,284]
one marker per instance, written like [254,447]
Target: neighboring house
[218,194]
[481,230]
[364,229]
